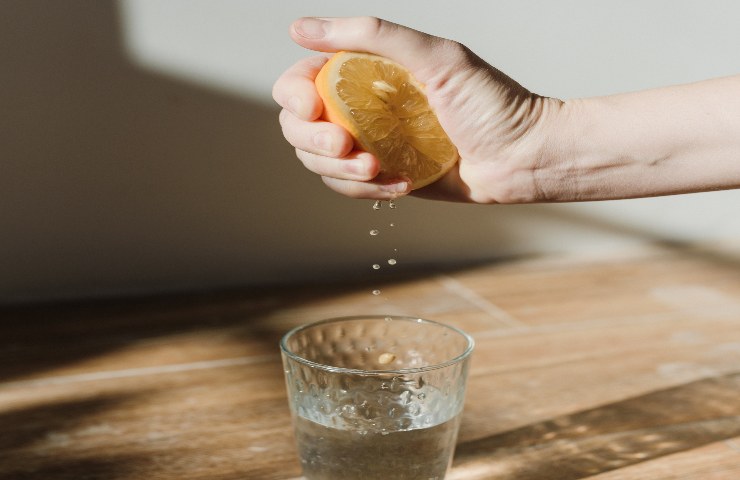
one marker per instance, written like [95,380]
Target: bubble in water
[376,292]
[391,204]
[374,232]
[376,266]
[391,261]
[376,205]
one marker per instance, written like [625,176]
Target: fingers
[318,137]
[358,165]
[326,149]
[352,175]
[421,53]
[368,190]
[295,90]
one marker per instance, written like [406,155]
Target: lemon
[385,110]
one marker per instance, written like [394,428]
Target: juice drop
[376,266]
[376,292]
[374,232]
[391,204]
[376,205]
[391,261]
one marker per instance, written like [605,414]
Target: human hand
[496,124]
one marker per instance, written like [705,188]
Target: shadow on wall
[117,181]
[114,179]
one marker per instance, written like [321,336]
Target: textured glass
[376,397]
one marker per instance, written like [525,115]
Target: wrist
[664,141]
[589,151]
[536,159]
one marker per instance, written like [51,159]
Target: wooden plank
[716,461]
[609,437]
[219,423]
[637,287]
[601,368]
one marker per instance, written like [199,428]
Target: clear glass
[376,397]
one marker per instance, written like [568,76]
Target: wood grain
[616,367]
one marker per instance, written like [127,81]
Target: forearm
[657,142]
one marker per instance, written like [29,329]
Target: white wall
[140,150]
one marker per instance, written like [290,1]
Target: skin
[516,146]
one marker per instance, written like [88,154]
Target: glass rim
[470,344]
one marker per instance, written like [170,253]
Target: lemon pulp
[393,120]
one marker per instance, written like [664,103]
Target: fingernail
[395,187]
[323,141]
[311,28]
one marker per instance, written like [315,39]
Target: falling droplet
[391,204]
[392,224]
[391,261]
[376,266]
[376,292]
[376,205]
[374,232]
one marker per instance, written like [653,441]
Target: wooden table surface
[624,366]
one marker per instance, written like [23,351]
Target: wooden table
[620,366]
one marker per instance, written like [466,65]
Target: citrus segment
[385,109]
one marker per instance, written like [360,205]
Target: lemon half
[385,109]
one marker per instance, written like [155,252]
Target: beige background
[140,150]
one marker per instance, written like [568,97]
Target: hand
[496,124]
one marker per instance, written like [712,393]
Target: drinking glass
[376,397]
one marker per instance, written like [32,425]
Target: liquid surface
[332,454]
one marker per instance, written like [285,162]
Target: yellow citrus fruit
[385,109]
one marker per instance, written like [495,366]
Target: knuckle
[344,142]
[457,53]
[305,157]
[347,188]
[453,63]
[283,118]
[275,92]
[278,90]
[370,27]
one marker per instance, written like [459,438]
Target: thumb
[423,54]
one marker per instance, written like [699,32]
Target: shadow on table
[34,436]
[613,436]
